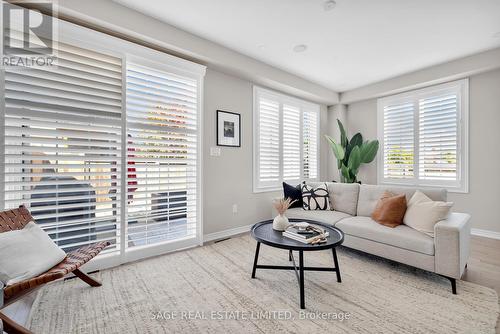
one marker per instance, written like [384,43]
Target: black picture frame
[227,114]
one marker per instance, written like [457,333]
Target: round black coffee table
[263,232]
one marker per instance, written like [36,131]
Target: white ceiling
[357,43]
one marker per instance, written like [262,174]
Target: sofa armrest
[452,241]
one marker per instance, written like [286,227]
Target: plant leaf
[339,163]
[369,151]
[354,174]
[345,173]
[356,140]
[354,159]
[338,151]
[343,135]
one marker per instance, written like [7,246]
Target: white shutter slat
[47,192]
[80,109]
[269,142]
[12,140]
[291,143]
[76,74]
[62,133]
[398,148]
[173,228]
[74,225]
[58,92]
[68,86]
[310,123]
[61,99]
[55,181]
[62,77]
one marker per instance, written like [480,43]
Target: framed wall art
[228,129]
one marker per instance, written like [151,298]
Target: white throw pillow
[423,213]
[27,253]
[315,198]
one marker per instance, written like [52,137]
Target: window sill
[458,190]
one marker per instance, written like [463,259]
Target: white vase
[280,223]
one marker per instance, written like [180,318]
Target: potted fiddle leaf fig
[350,154]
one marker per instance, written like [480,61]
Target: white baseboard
[485,233]
[226,233]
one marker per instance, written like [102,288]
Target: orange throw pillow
[390,209]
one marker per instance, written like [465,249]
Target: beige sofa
[352,204]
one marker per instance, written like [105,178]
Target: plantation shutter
[268,142]
[63,146]
[161,159]
[438,145]
[398,127]
[291,143]
[424,135]
[310,144]
[286,140]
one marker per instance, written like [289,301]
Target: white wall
[228,178]
[113,18]
[452,70]
[362,117]
[483,199]
[336,112]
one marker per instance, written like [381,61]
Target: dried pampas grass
[283,204]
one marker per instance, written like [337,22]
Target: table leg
[336,261]
[255,259]
[289,255]
[301,280]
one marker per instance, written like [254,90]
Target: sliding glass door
[161,156]
[104,145]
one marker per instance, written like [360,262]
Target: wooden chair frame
[16,219]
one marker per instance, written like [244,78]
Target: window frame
[127,51]
[281,98]
[461,88]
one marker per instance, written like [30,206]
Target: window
[161,150]
[286,141]
[423,135]
[63,146]
[105,145]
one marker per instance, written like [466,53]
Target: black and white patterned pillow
[315,198]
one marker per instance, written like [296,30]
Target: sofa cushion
[423,213]
[315,197]
[343,196]
[390,209]
[322,216]
[400,236]
[294,193]
[370,194]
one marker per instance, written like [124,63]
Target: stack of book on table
[306,236]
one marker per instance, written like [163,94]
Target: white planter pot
[280,223]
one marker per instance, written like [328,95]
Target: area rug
[209,290]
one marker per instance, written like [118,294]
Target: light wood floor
[483,268]
[484,265]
